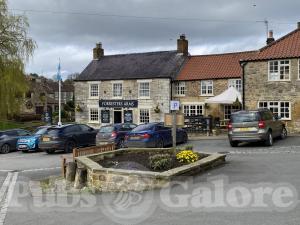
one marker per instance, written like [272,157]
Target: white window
[180,88]
[279,70]
[193,110]
[228,109]
[144,89]
[94,115]
[282,109]
[207,87]
[117,89]
[94,90]
[144,115]
[236,83]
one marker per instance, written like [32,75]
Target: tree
[15,50]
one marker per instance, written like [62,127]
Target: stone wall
[159,96]
[193,96]
[258,88]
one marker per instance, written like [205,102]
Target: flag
[58,76]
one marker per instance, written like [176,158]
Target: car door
[164,133]
[74,132]
[88,134]
[12,138]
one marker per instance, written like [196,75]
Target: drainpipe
[243,64]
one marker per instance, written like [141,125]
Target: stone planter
[109,179]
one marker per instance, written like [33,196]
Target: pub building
[135,88]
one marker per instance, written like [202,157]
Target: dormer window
[279,70]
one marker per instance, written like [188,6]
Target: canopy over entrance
[227,97]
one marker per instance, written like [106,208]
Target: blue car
[153,135]
[31,143]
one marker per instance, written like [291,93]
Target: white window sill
[121,97]
[93,98]
[179,95]
[279,80]
[94,122]
[144,98]
[210,95]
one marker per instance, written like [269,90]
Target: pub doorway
[117,116]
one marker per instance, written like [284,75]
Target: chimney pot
[182,45]
[270,38]
[98,51]
[298,25]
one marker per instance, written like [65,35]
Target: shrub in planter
[188,147]
[160,162]
[187,156]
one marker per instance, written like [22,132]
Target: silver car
[255,126]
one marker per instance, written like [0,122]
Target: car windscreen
[244,117]
[40,131]
[106,129]
[143,127]
[52,132]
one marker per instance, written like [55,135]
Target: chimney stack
[182,45]
[98,52]
[298,25]
[270,38]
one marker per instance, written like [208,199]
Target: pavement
[258,185]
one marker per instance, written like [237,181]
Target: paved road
[248,166]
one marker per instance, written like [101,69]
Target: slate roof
[164,64]
[287,46]
[216,66]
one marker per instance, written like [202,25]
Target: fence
[83,152]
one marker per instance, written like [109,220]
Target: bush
[187,156]
[160,162]
[188,147]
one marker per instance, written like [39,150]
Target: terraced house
[205,76]
[272,78]
[128,87]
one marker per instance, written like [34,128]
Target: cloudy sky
[69,29]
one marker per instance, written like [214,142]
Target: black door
[117,116]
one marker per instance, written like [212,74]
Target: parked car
[114,134]
[31,143]
[255,126]
[9,138]
[67,137]
[153,135]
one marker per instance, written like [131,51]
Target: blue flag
[58,76]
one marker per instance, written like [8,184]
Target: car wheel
[234,143]
[70,145]
[283,133]
[5,148]
[121,144]
[160,143]
[50,151]
[269,140]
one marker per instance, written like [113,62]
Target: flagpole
[59,94]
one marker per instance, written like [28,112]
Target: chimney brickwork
[182,45]
[270,38]
[98,51]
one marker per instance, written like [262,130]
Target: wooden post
[63,166]
[71,171]
[81,177]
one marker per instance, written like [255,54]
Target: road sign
[174,105]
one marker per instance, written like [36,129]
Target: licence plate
[22,146]
[135,138]
[46,139]
[103,142]
[245,129]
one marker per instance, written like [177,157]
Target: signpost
[174,106]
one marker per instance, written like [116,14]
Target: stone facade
[258,88]
[193,96]
[160,95]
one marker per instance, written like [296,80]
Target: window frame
[280,111]
[184,105]
[235,84]
[236,109]
[113,93]
[139,90]
[212,88]
[98,110]
[140,122]
[278,75]
[90,90]
[179,88]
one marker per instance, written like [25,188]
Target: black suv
[67,137]
[253,126]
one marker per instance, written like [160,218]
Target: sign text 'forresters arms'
[118,103]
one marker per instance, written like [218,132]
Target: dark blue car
[153,135]
[31,143]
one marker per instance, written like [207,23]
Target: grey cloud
[72,36]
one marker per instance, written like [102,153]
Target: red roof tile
[287,46]
[214,66]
